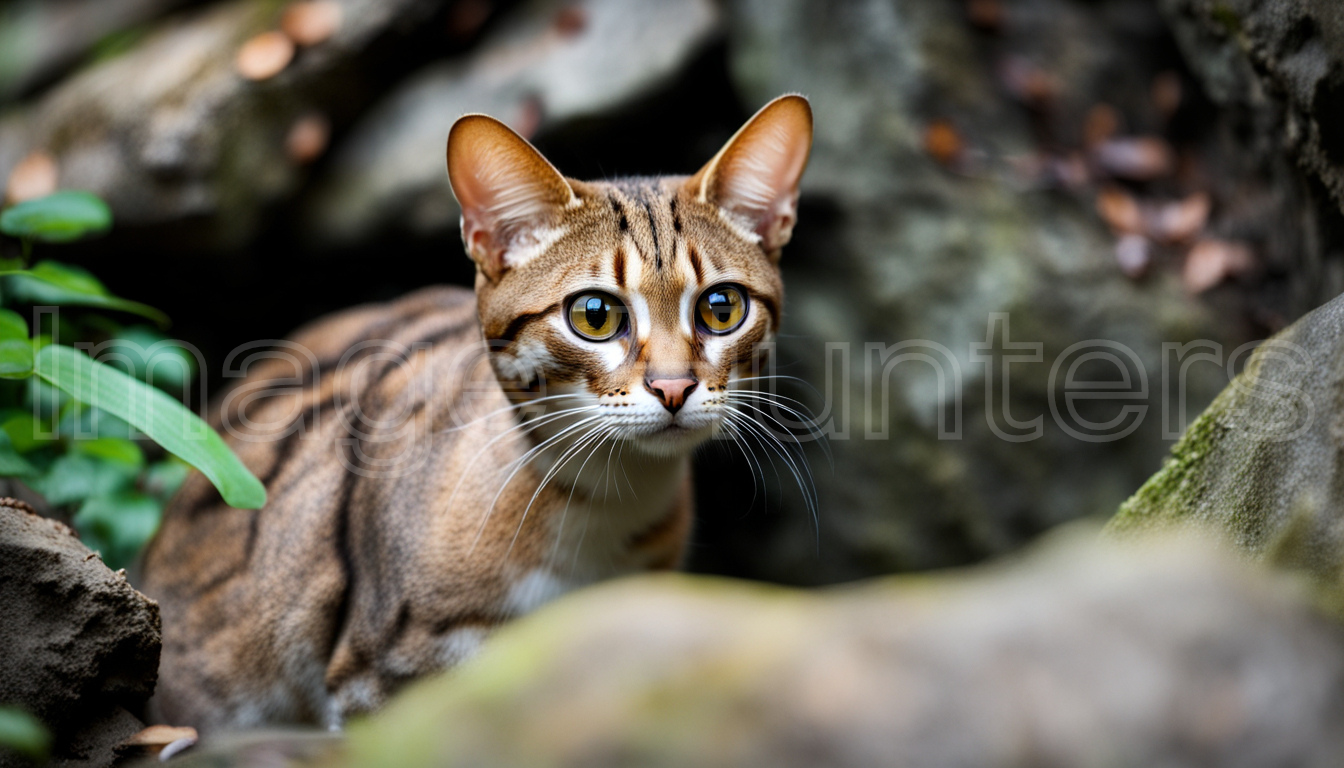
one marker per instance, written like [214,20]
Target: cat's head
[640,300]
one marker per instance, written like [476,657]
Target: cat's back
[312,417]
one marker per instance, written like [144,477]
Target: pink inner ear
[757,173]
[505,187]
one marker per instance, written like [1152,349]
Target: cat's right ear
[511,197]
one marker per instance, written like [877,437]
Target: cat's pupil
[595,312]
[721,307]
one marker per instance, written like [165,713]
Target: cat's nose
[672,393]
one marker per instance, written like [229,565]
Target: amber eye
[596,316]
[721,308]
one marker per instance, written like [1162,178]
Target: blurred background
[1147,172]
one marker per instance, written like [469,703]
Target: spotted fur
[424,480]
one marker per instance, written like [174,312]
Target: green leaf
[22,733]
[115,449]
[16,359]
[12,325]
[24,431]
[77,477]
[118,526]
[57,218]
[150,357]
[156,414]
[51,282]
[11,463]
[163,478]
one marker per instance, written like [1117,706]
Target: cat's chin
[672,440]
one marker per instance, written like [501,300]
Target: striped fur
[424,484]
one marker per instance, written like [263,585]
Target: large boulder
[961,262]
[1265,462]
[549,63]
[1167,653]
[80,646]
[172,131]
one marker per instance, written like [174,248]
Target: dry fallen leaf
[264,56]
[466,17]
[1120,210]
[570,20]
[1181,220]
[1167,93]
[1141,158]
[942,142]
[160,735]
[985,14]
[1133,253]
[35,176]
[310,22]
[1028,82]
[1101,123]
[1212,261]
[307,138]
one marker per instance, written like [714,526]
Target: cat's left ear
[511,196]
[754,178]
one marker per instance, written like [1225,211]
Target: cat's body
[425,484]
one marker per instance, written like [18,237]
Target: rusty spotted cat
[444,462]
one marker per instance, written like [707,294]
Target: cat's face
[640,301]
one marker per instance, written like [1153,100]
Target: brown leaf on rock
[1181,220]
[1141,158]
[35,176]
[1211,261]
[160,736]
[942,142]
[1101,123]
[1134,253]
[1120,210]
[307,138]
[985,14]
[1167,93]
[1028,82]
[310,22]
[466,17]
[570,20]
[264,56]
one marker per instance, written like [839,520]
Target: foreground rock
[1265,462]
[1084,654]
[80,646]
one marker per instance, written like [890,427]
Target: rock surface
[171,131]
[1168,653]
[550,63]
[891,247]
[80,645]
[1265,462]
[1283,58]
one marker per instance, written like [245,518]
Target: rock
[81,646]
[1282,58]
[1265,462]
[1165,653]
[551,62]
[891,247]
[170,130]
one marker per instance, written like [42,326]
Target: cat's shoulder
[424,310]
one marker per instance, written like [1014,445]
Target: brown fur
[395,536]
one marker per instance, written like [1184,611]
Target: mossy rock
[1264,463]
[1080,653]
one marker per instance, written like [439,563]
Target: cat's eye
[596,316]
[721,308]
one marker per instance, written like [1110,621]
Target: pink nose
[672,393]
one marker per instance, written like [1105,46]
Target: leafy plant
[22,733]
[72,427]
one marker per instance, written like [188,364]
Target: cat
[446,461]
